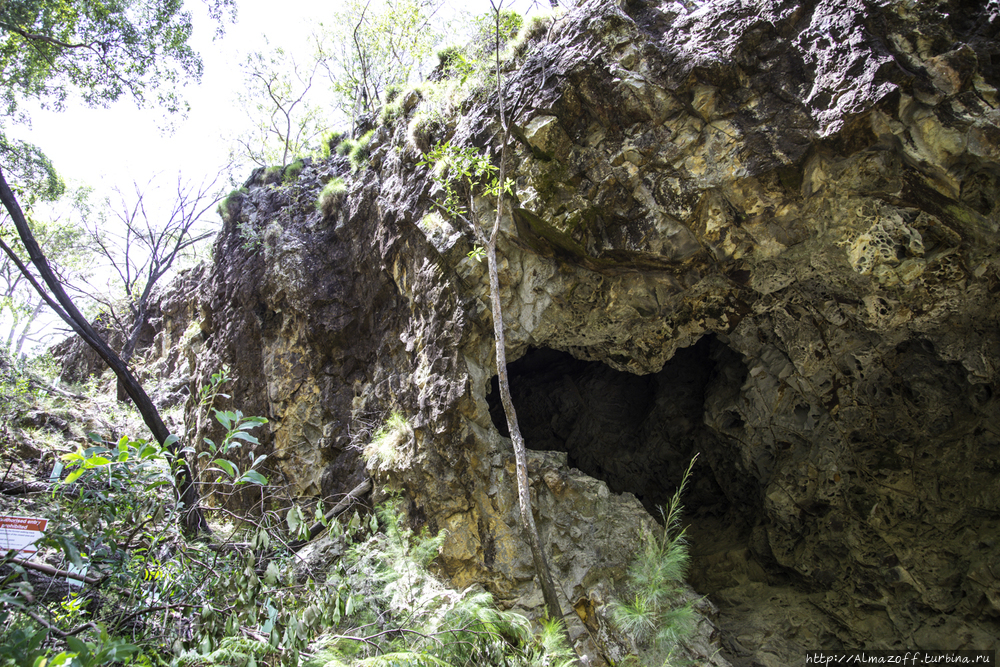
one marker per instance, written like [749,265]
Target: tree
[373,45]
[277,99]
[520,454]
[101,51]
[69,247]
[470,169]
[141,249]
[50,49]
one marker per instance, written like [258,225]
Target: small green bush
[331,196]
[356,150]
[229,207]
[292,171]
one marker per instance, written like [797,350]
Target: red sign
[20,533]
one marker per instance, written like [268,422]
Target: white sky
[106,147]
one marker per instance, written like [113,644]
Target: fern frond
[403,659]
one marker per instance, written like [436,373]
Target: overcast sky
[108,148]
[105,147]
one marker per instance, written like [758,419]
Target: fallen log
[351,497]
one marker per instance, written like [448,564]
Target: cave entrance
[634,432]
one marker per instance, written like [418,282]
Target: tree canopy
[98,50]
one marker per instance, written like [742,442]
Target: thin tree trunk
[187,493]
[552,605]
[27,328]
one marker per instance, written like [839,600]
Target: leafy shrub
[356,150]
[292,171]
[251,237]
[229,208]
[654,614]
[388,573]
[331,196]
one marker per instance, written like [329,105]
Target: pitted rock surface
[790,210]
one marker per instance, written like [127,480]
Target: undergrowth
[240,596]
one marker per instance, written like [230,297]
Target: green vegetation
[228,207]
[370,48]
[252,238]
[385,449]
[356,150]
[467,74]
[460,171]
[51,52]
[273,175]
[330,141]
[292,171]
[655,614]
[331,196]
[156,596]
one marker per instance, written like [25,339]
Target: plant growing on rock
[331,196]
[383,452]
[229,206]
[292,171]
[654,614]
[461,172]
[356,150]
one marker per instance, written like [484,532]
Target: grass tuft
[229,208]
[331,196]
[356,150]
[292,171]
[385,448]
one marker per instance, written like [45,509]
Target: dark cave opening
[634,432]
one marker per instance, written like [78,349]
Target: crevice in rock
[634,432]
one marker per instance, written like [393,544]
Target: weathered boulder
[765,232]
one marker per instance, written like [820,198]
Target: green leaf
[171,440]
[226,418]
[246,437]
[73,476]
[253,477]
[228,467]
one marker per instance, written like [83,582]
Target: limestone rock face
[764,232]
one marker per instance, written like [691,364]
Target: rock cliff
[765,232]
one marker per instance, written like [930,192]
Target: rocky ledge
[764,232]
